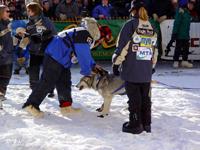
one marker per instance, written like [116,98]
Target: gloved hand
[21,60]
[116,70]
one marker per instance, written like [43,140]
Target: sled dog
[107,86]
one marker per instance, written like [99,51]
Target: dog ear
[99,70]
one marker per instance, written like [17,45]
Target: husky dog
[107,86]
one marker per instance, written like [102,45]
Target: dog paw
[102,116]
[99,109]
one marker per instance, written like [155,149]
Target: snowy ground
[175,117]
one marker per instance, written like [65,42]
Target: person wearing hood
[137,54]
[6,51]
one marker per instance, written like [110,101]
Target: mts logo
[195,42]
[146,53]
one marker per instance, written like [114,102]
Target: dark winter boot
[129,128]
[134,125]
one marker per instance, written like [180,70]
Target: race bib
[145,41]
[144,53]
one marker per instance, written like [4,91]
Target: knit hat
[183,3]
[92,26]
[136,4]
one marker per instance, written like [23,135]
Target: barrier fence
[110,29]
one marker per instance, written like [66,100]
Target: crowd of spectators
[100,9]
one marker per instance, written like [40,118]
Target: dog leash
[173,86]
[119,88]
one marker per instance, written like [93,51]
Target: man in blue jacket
[57,63]
[104,10]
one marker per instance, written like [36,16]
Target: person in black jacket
[40,31]
[136,52]
[6,47]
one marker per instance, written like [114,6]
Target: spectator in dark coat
[83,8]
[46,9]
[162,9]
[6,50]
[121,7]
[53,7]
[67,9]
[40,30]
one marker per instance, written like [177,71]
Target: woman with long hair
[135,52]
[6,48]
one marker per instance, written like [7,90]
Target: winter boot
[129,128]
[134,125]
[69,110]
[175,64]
[34,111]
[186,64]
[66,108]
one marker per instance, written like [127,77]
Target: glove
[21,60]
[116,70]
[174,36]
[114,57]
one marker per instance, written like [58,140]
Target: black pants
[139,103]
[54,75]
[36,62]
[5,75]
[182,47]
[34,69]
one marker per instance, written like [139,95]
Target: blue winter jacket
[102,10]
[61,49]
